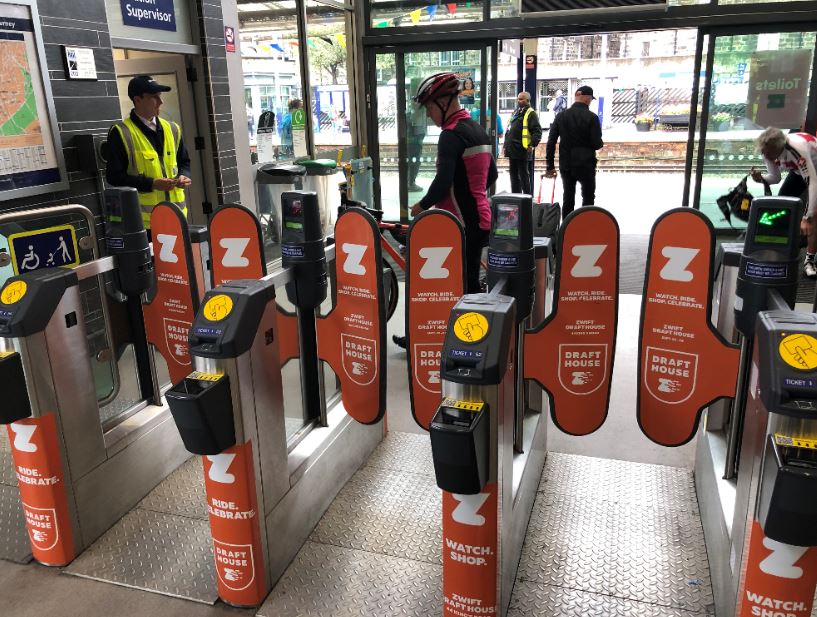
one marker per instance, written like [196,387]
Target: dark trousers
[586,176]
[794,186]
[414,151]
[475,241]
[520,176]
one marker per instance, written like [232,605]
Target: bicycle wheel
[390,288]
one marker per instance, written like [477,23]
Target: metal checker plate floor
[181,493]
[153,551]
[386,512]
[163,545]
[607,539]
[14,544]
[7,476]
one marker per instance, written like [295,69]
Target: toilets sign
[153,14]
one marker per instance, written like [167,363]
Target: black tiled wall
[219,109]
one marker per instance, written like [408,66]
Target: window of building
[326,48]
[268,35]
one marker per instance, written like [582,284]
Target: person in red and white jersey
[796,153]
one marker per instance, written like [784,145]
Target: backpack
[738,201]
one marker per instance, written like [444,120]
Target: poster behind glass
[30,162]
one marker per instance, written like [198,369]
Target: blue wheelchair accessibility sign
[51,247]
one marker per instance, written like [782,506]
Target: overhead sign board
[153,14]
[778,85]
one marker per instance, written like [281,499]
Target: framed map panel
[31,160]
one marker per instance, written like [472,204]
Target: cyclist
[797,153]
[465,170]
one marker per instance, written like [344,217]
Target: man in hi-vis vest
[147,152]
[523,135]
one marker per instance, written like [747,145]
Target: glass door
[407,140]
[755,81]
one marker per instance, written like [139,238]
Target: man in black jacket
[579,134]
[523,135]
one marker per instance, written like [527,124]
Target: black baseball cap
[145,84]
[585,91]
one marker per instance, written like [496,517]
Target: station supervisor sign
[153,14]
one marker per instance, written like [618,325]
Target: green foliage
[326,53]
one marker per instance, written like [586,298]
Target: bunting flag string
[417,14]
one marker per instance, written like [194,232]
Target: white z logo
[434,259]
[467,512]
[234,255]
[781,562]
[22,437]
[588,255]
[219,470]
[676,268]
[167,243]
[354,255]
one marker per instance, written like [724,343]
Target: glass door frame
[399,52]
[699,134]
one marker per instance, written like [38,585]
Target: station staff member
[796,153]
[523,135]
[147,152]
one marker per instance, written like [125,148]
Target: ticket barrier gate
[220,412]
[488,482]
[778,567]
[673,389]
[263,497]
[472,448]
[75,479]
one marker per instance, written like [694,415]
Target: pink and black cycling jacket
[465,170]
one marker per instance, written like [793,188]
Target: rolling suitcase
[546,216]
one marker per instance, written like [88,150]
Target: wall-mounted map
[29,161]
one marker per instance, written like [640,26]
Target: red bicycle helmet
[437,86]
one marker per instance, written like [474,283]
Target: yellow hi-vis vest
[525,130]
[143,160]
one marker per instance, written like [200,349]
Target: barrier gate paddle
[679,349]
[238,253]
[350,338]
[170,314]
[571,354]
[237,247]
[435,281]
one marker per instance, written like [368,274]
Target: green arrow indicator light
[768,218]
